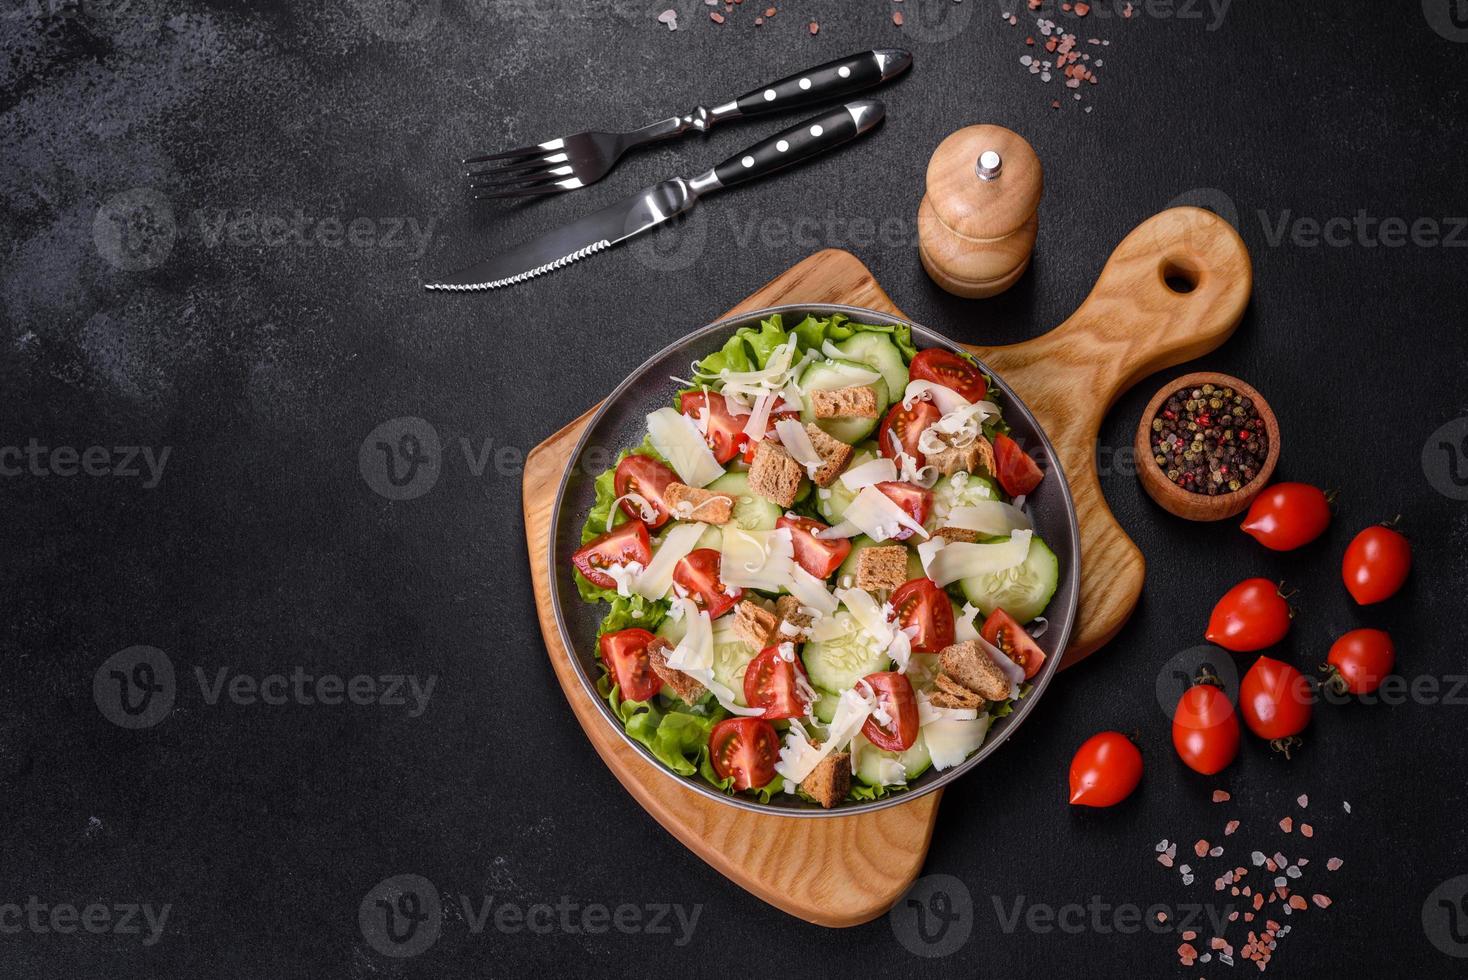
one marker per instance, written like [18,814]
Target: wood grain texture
[841,871]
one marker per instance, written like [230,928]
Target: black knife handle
[800,143]
[833,80]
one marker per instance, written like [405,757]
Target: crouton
[774,475]
[951,694]
[755,625]
[680,683]
[957,535]
[881,568]
[787,607]
[977,458]
[692,504]
[834,454]
[830,781]
[968,664]
[859,402]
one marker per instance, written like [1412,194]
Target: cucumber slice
[712,537]
[878,351]
[732,657]
[869,760]
[827,375]
[838,663]
[832,501]
[959,490]
[846,574]
[671,630]
[1022,591]
[825,707]
[751,512]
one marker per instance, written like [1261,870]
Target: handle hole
[1179,276]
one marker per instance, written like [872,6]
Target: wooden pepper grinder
[978,219]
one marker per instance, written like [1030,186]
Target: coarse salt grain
[1221,796]
[1287,824]
[1304,801]
[1334,864]
[1230,827]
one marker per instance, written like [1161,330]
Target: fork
[577,161]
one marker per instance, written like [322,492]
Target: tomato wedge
[647,478]
[1018,474]
[724,432]
[780,412]
[949,370]
[698,573]
[744,749]
[625,543]
[902,426]
[1010,637]
[819,556]
[769,683]
[895,698]
[625,654]
[922,604]
[911,498]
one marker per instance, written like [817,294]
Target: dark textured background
[265,366]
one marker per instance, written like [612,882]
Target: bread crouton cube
[678,682]
[834,454]
[693,504]
[977,458]
[968,664]
[787,607]
[881,568]
[858,402]
[774,475]
[830,781]
[951,694]
[755,625]
[957,535]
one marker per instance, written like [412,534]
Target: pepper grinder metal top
[978,220]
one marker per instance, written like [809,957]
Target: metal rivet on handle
[805,83]
[769,95]
[782,146]
[990,163]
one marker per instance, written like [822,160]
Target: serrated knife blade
[594,233]
[663,202]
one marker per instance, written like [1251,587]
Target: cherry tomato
[1274,699]
[647,478]
[1251,616]
[949,370]
[780,412]
[911,498]
[1105,770]
[902,427]
[1376,564]
[1360,660]
[769,683]
[625,543]
[895,697]
[1010,637]
[1287,516]
[698,573]
[744,749]
[1018,474]
[625,654]
[1205,729]
[922,604]
[723,431]
[819,556]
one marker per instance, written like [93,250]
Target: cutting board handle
[1173,290]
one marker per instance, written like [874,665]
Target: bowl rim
[1062,621]
[1223,505]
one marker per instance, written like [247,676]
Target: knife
[664,201]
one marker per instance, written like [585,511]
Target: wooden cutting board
[841,871]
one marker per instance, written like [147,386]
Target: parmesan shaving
[811,591]
[879,470]
[756,559]
[759,418]
[946,563]
[946,399]
[798,444]
[645,509]
[677,438]
[874,514]
[991,517]
[654,582]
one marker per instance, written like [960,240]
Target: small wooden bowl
[1199,506]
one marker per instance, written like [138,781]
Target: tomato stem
[1333,679]
[1285,744]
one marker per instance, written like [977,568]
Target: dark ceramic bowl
[621,422]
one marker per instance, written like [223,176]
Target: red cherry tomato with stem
[1251,616]
[1205,729]
[1359,661]
[1105,770]
[1275,700]
[1376,564]
[1287,516]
